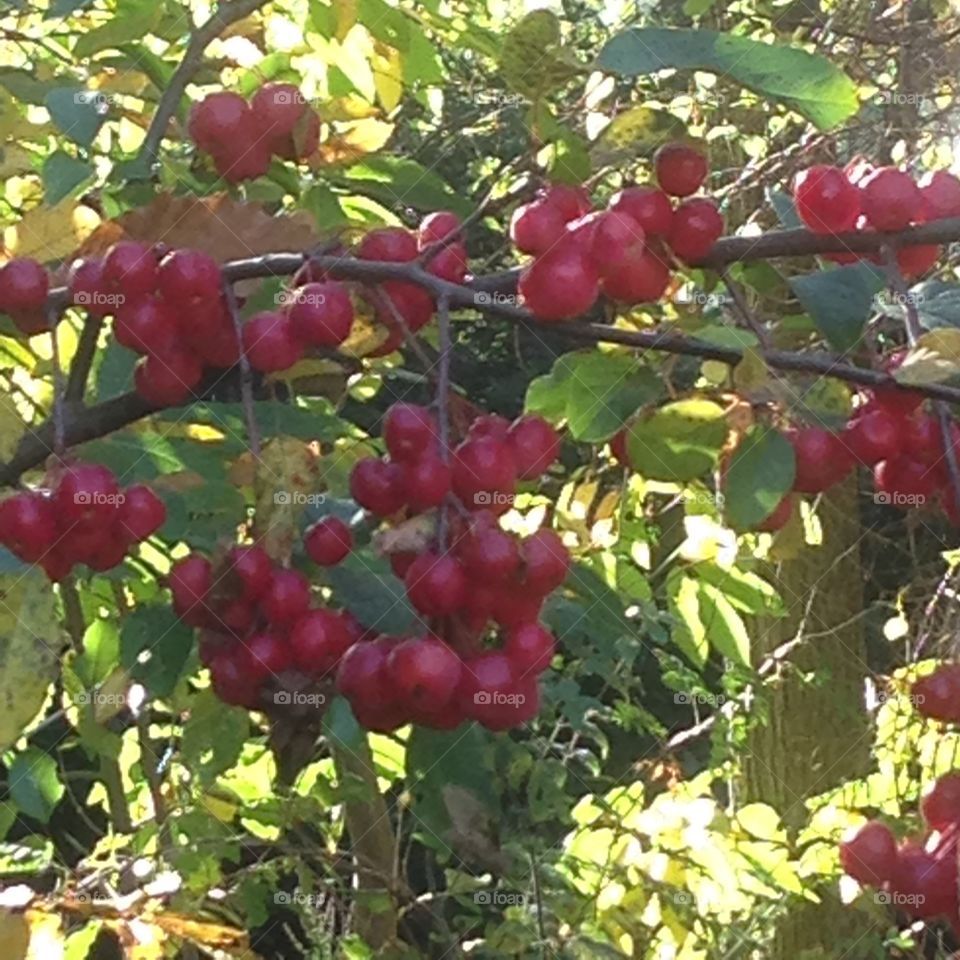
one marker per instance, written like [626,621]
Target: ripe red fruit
[276,108]
[377,486]
[890,199]
[84,544]
[489,425]
[409,431]
[253,568]
[214,337]
[23,286]
[610,238]
[270,343]
[937,695]
[87,288]
[649,207]
[55,564]
[400,562]
[413,304]
[535,227]
[303,141]
[449,264]
[779,517]
[394,244]
[426,482]
[941,195]
[512,608]
[425,671]
[190,582]
[530,648]
[219,120]
[436,584]
[246,162]
[28,525]
[318,640]
[88,494]
[167,379]
[940,804]
[211,643]
[826,200]
[328,541]
[822,459]
[484,474]
[130,270]
[489,553]
[487,684]
[559,284]
[238,614]
[916,261]
[189,278]
[145,325]
[322,314]
[873,436]
[545,561]
[697,225]
[268,655]
[922,439]
[436,226]
[870,855]
[535,445]
[925,882]
[568,200]
[905,482]
[680,170]
[362,676]
[142,513]
[233,679]
[286,598]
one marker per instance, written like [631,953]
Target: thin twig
[83,358]
[443,405]
[246,373]
[742,308]
[59,390]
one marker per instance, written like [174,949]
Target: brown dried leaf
[411,536]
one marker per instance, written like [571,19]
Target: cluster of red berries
[918,876]
[82,516]
[470,576]
[623,252]
[859,197]
[242,137]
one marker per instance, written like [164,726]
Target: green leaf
[134,20]
[62,174]
[683,602]
[937,303]
[759,476]
[78,113]
[745,590]
[154,646]
[34,784]
[367,587]
[324,204]
[101,653]
[805,82]
[636,132]
[388,24]
[840,301]
[340,726]
[680,441]
[213,736]
[724,628]
[399,180]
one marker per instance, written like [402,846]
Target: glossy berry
[560,284]
[696,227]
[905,482]
[870,855]
[304,139]
[648,206]
[189,278]
[270,343]
[922,439]
[234,682]
[917,260]
[535,446]
[568,200]
[245,162]
[826,200]
[238,614]
[436,226]
[321,314]
[426,672]
[28,525]
[536,227]
[484,474]
[937,695]
[409,431]
[873,436]
[362,676]
[377,486]
[926,880]
[328,541]
[276,108]
[190,582]
[642,278]
[145,325]
[545,561]
[414,305]
[394,244]
[130,270]
[268,655]
[252,568]
[286,598]
[680,170]
[821,458]
[610,238]
[318,641]
[436,584]
[23,286]
[489,425]
[890,199]
[530,648]
[426,481]
[450,264]
[142,513]
[87,288]
[88,494]
[940,805]
[488,553]
[487,682]
[167,379]
[220,119]
[941,195]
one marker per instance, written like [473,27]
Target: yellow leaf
[46,935]
[640,130]
[387,64]
[14,935]
[12,427]
[532,60]
[345,12]
[347,107]
[51,233]
[352,141]
[14,160]
[935,357]
[751,372]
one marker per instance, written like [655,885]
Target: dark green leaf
[154,646]
[134,19]
[366,586]
[78,113]
[213,736]
[341,727]
[401,181]
[62,174]
[101,653]
[759,475]
[35,785]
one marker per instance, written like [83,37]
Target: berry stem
[412,342]
[443,411]
[59,390]
[246,374]
[742,308]
[83,358]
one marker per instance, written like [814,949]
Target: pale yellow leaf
[51,233]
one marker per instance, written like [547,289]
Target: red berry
[409,431]
[286,598]
[536,227]
[890,199]
[28,525]
[23,286]
[489,553]
[411,303]
[328,541]
[569,201]
[870,855]
[142,513]
[436,226]
[559,284]
[55,563]
[377,486]
[425,671]
[922,439]
[484,474]
[253,568]
[826,200]
[426,482]
[680,169]
[925,883]
[916,261]
[697,225]
[318,641]
[247,162]
[873,436]
[941,195]
[545,561]
[513,608]
[190,582]
[167,379]
[642,278]
[304,139]
[400,562]
[238,614]
[610,238]
[87,494]
[394,244]
[487,688]
[362,676]
[234,681]
[530,648]
[130,270]
[905,482]
[436,584]
[189,278]
[535,445]
[779,517]
[268,654]
[145,325]
[937,695]
[220,120]
[211,643]
[822,459]
[941,802]
[489,425]
[276,108]
[270,343]
[322,314]
[87,288]
[450,264]
[649,207]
